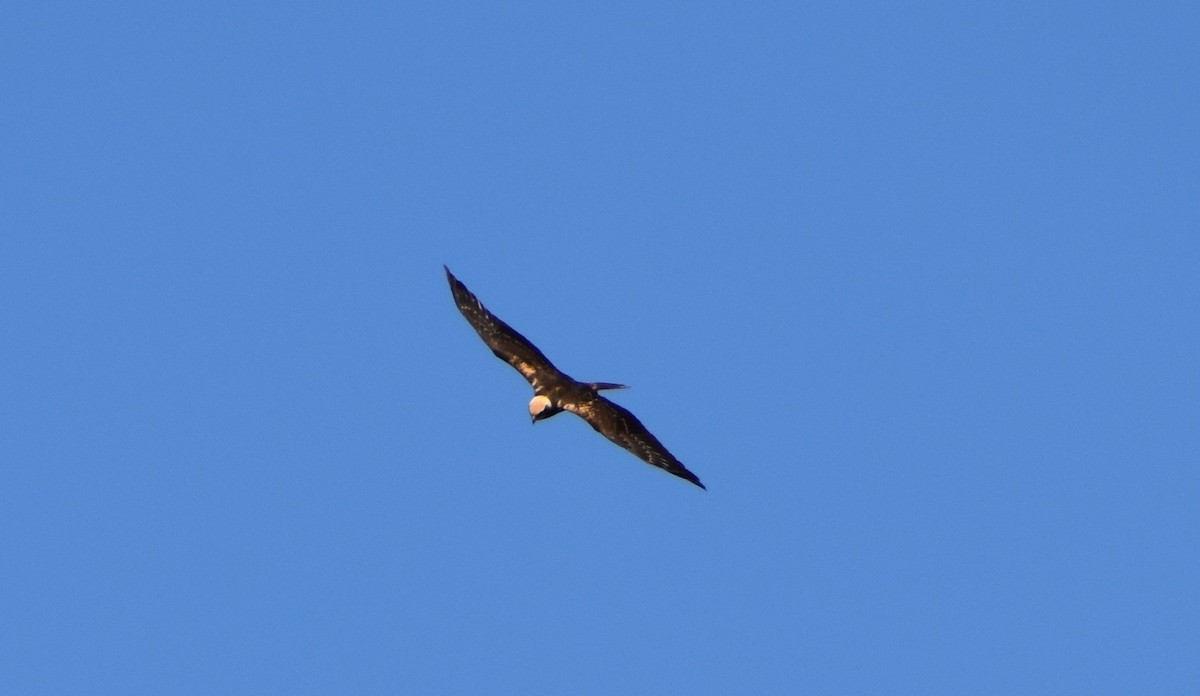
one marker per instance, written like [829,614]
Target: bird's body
[555,391]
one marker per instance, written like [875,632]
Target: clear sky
[914,290]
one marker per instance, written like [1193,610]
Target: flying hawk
[555,392]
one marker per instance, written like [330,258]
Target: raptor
[555,392]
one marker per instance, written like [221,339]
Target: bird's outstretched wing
[622,427]
[508,345]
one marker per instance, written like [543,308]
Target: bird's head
[540,408]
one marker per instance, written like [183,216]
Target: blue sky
[912,289]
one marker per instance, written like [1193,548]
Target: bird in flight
[555,392]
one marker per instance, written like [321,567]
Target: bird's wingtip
[689,477]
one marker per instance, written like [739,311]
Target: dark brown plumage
[555,392]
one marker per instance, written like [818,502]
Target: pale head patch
[538,404]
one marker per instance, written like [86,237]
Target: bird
[554,391]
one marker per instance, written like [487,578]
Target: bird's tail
[607,385]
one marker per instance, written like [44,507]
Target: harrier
[555,392]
